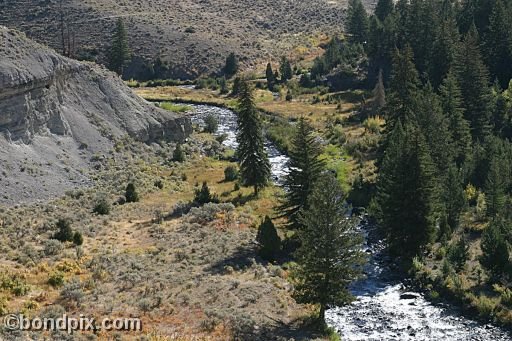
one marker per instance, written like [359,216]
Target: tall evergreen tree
[407,193]
[305,167]
[498,42]
[434,126]
[382,40]
[444,49]
[379,94]
[119,53]
[451,100]
[383,9]
[271,81]
[286,69]
[453,197]
[131,194]
[473,80]
[495,187]
[254,163]
[421,29]
[501,112]
[402,99]
[330,255]
[495,250]
[231,66]
[357,22]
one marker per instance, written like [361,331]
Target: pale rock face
[51,105]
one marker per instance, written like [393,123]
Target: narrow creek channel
[384,308]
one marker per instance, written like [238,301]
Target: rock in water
[55,113]
[409,296]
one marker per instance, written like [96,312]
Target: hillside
[57,114]
[194,37]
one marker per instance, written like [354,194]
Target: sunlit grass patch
[175,107]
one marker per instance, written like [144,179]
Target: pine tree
[495,187]
[402,99]
[498,42]
[78,239]
[305,168]
[65,232]
[271,81]
[495,250]
[407,193]
[434,126]
[203,196]
[131,194]
[501,115]
[379,94]
[270,243]
[231,66]
[330,255]
[119,53]
[421,29]
[357,22]
[458,253]
[451,100]
[382,42]
[383,9]
[453,197]
[473,80]
[254,164]
[235,91]
[444,49]
[286,70]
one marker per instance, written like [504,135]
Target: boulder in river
[409,296]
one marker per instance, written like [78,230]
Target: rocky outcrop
[56,112]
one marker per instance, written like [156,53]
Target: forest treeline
[446,150]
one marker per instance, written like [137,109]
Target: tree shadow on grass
[295,330]
[241,259]
[241,200]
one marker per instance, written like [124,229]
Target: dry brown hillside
[194,36]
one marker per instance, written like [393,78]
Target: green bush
[211,124]
[131,194]
[373,124]
[483,304]
[56,279]
[52,247]
[178,155]
[230,173]
[102,206]
[203,195]
[14,283]
[159,184]
[78,239]
[65,233]
[280,133]
[458,253]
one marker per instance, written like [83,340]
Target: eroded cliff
[55,113]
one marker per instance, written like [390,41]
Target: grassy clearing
[178,108]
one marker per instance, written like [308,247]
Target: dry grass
[186,276]
[194,37]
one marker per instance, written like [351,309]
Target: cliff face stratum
[55,113]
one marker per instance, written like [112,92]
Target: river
[384,308]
